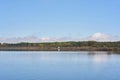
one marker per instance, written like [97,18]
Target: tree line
[89,44]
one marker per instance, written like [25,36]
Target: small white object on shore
[58,48]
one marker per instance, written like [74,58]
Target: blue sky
[59,18]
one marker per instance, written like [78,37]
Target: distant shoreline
[55,49]
[62,46]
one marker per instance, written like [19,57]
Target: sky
[59,20]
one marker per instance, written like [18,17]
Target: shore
[56,49]
[61,46]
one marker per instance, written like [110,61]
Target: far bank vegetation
[64,46]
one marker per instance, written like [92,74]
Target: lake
[37,65]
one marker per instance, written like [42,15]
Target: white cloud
[32,39]
[19,39]
[95,37]
[99,37]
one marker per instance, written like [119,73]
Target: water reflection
[100,58]
[95,56]
[84,65]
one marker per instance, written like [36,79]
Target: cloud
[99,37]
[95,37]
[19,39]
[32,39]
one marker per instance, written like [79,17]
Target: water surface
[59,65]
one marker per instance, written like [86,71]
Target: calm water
[59,66]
